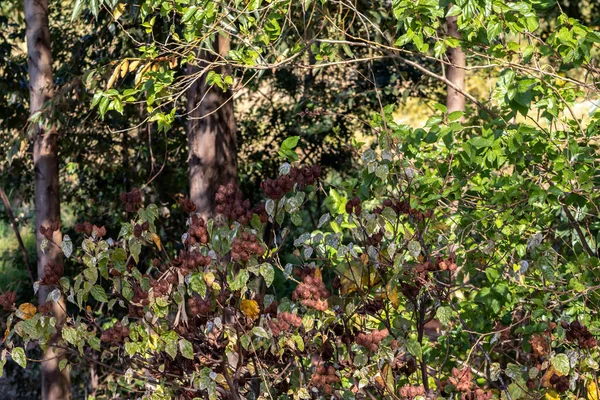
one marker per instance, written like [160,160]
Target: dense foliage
[455,258]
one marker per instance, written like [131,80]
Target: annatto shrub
[398,294]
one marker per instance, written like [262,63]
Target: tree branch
[13,223]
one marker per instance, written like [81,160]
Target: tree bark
[211,133]
[55,384]
[455,73]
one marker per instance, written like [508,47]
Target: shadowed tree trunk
[211,133]
[455,72]
[55,384]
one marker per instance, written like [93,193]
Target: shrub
[390,256]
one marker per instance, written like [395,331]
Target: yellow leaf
[318,274]
[133,65]
[156,240]
[552,395]
[26,311]
[592,391]
[113,78]
[394,298]
[209,278]
[140,74]
[546,379]
[124,67]
[220,379]
[119,10]
[250,308]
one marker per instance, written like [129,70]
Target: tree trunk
[211,133]
[55,384]
[455,72]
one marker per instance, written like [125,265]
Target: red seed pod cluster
[89,229]
[187,205]
[447,264]
[462,379]
[410,289]
[245,246]
[261,211]
[116,334]
[271,309]
[303,272]
[132,200]
[47,231]
[477,394]
[371,307]
[531,384]
[312,293]
[353,206]
[275,189]
[376,238]
[230,202]
[405,364]
[160,287]
[560,383]
[45,308]
[285,320]
[140,296]
[576,332]
[371,340]
[410,392]
[324,378]
[197,232]
[190,260]
[135,311]
[403,207]
[7,300]
[52,273]
[199,306]
[139,229]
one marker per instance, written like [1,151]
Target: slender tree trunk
[455,72]
[55,384]
[211,133]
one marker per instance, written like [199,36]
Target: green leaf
[186,349]
[18,356]
[560,362]
[455,116]
[299,342]
[290,143]
[453,11]
[444,315]
[131,348]
[135,247]
[91,274]
[77,9]
[95,7]
[63,363]
[171,344]
[260,332]
[70,335]
[414,348]
[99,294]
[67,246]
[268,273]
[198,285]
[480,142]
[189,14]
[240,280]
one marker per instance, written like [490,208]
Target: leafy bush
[417,283]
